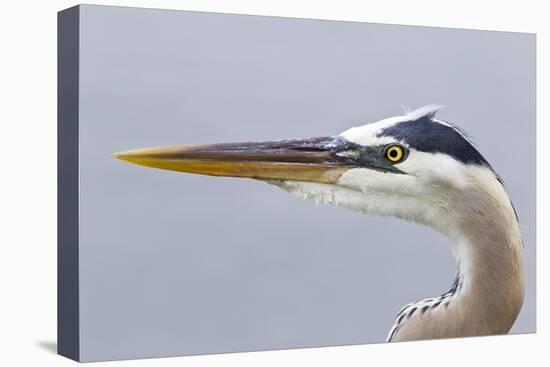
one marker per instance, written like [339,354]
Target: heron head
[404,166]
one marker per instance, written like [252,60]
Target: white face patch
[429,168]
[367,134]
[370,181]
[435,169]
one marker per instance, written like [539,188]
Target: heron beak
[311,160]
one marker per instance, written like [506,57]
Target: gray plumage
[412,167]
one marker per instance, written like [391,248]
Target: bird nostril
[350,153]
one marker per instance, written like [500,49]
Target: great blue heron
[414,167]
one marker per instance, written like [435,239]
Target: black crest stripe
[426,135]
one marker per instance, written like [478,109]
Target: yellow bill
[312,160]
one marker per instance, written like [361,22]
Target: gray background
[174,264]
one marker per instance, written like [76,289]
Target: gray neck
[487,294]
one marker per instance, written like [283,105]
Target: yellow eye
[395,153]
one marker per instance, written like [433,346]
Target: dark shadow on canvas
[48,345]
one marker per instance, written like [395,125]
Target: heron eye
[395,153]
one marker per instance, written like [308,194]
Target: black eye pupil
[393,153]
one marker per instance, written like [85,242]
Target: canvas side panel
[67,183]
